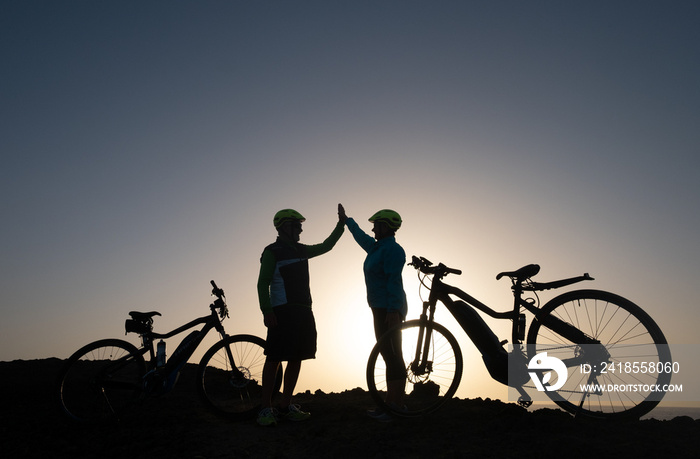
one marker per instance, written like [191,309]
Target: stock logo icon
[542,362]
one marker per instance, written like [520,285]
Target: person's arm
[394,261]
[267,270]
[363,239]
[328,244]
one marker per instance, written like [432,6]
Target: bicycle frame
[102,379]
[441,292]
[576,329]
[483,337]
[188,345]
[166,375]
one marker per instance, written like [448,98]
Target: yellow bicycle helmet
[286,215]
[388,216]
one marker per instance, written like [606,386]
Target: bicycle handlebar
[426,267]
[220,302]
[216,291]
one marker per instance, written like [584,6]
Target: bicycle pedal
[525,403]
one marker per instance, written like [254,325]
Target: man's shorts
[294,337]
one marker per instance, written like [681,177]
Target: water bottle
[160,353]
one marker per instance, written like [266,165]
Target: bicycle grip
[216,291]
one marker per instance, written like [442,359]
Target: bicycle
[103,379]
[589,330]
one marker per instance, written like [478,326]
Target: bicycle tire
[100,381]
[225,394]
[425,392]
[625,330]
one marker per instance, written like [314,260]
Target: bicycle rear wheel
[100,380]
[627,334]
[428,386]
[234,389]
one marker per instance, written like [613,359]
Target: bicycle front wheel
[100,380]
[433,368]
[233,389]
[628,335]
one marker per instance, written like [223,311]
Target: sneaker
[267,417]
[294,413]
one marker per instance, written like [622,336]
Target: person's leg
[291,375]
[396,372]
[287,409]
[395,392]
[268,415]
[393,357]
[268,381]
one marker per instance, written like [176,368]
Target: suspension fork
[420,364]
[235,372]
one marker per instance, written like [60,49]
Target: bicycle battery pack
[187,347]
[492,352]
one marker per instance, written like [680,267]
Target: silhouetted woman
[385,294]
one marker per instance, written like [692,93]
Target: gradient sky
[147,145]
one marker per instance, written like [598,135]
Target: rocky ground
[177,426]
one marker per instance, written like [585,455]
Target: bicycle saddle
[521,274]
[143,315]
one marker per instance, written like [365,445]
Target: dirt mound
[178,426]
